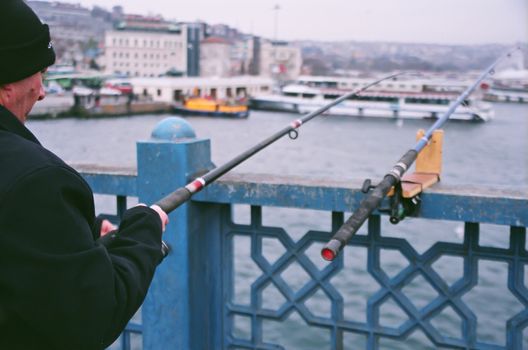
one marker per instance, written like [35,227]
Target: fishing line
[373,199]
[182,194]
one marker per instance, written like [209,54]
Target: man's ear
[6,87]
[6,90]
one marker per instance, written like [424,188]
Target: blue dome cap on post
[172,129]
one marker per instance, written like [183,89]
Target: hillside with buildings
[150,46]
[132,45]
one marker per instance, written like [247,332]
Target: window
[177,95]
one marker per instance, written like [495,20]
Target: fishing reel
[398,207]
[401,207]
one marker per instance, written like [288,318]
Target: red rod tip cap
[328,254]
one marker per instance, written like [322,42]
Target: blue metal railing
[253,285]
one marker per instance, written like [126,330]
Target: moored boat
[400,100]
[200,106]
[508,86]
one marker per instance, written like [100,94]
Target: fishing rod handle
[345,233]
[168,204]
[174,199]
[165,249]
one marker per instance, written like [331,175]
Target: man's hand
[163,216]
[107,226]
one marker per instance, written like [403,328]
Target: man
[62,286]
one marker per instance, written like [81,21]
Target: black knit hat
[25,44]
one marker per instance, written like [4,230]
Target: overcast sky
[421,21]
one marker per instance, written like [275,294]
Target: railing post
[166,162]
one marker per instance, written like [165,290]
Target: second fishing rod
[393,178]
[182,194]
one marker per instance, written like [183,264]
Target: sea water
[493,154]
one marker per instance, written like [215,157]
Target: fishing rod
[393,177]
[182,194]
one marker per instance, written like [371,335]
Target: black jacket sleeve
[74,292]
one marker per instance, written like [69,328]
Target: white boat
[406,99]
[506,94]
[508,86]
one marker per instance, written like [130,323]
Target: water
[491,154]
[494,153]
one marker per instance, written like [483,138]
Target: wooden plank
[430,158]
[413,184]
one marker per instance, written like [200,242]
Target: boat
[201,106]
[402,99]
[109,101]
[508,86]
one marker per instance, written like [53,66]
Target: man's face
[21,96]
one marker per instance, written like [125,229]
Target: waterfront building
[215,57]
[222,31]
[75,31]
[195,33]
[70,22]
[146,47]
[280,60]
[254,60]
[174,89]
[243,54]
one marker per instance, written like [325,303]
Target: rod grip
[352,225]
[408,159]
[165,249]
[367,206]
[174,199]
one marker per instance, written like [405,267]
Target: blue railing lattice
[246,322]
[453,277]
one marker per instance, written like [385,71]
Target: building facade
[146,47]
[215,57]
[70,22]
[280,60]
[171,89]
[76,31]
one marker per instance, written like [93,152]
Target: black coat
[60,286]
